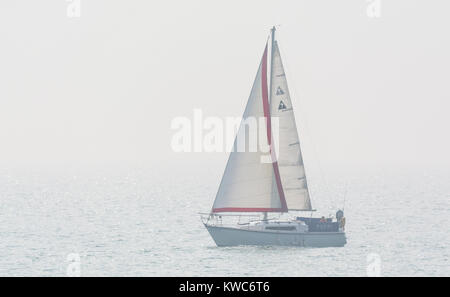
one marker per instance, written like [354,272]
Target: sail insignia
[281,105]
[279,91]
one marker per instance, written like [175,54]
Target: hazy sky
[104,87]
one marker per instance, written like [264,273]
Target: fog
[104,87]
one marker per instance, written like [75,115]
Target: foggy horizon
[103,88]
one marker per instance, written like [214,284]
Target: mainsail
[290,162]
[248,184]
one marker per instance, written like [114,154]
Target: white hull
[229,236]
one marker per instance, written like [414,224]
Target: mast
[271,60]
[272,31]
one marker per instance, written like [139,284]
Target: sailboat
[251,184]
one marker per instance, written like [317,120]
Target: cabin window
[282,228]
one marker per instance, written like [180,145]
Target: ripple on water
[140,223]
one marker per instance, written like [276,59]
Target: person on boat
[323,220]
[342,223]
[339,215]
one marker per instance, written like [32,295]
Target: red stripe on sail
[266,107]
[245,209]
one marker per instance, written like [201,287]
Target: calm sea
[143,221]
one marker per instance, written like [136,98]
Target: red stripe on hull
[243,209]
